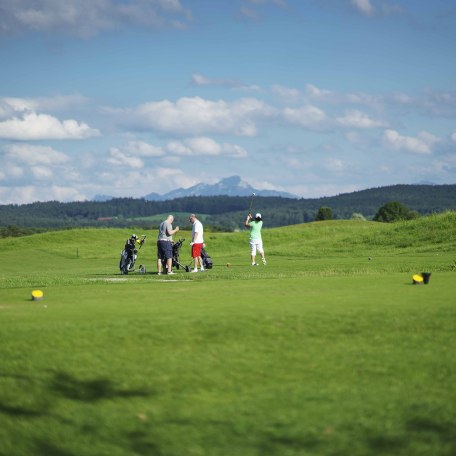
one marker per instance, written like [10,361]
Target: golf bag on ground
[129,255]
[176,246]
[207,260]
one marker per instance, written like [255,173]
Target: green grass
[323,352]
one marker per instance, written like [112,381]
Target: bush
[394,211]
[324,213]
[357,216]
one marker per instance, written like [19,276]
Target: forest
[220,213]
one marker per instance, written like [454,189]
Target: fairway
[328,350]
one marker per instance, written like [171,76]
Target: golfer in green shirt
[256,243]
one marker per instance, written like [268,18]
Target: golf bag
[129,255]
[207,260]
[176,246]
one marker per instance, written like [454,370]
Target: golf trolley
[207,260]
[129,255]
[176,246]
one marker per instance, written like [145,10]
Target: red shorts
[196,250]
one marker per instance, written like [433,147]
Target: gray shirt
[164,230]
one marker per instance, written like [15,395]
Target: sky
[312,97]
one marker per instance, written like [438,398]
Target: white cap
[257,215]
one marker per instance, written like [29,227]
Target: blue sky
[313,97]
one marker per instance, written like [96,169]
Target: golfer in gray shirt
[164,244]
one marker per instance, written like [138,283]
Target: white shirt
[197,232]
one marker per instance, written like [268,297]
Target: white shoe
[171,272]
[264,262]
[202,269]
[254,264]
[159,273]
[194,270]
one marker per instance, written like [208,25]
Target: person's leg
[159,258]
[253,249]
[198,250]
[261,252]
[195,259]
[169,258]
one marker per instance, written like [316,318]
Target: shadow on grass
[430,432]
[19,411]
[43,448]
[94,390]
[279,442]
[143,443]
[425,425]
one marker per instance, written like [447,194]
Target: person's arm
[247,221]
[171,232]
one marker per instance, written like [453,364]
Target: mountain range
[229,186]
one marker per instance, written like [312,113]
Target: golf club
[251,203]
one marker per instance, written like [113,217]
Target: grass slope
[322,352]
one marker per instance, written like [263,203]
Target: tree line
[224,212]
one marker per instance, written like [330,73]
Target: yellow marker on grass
[37,295]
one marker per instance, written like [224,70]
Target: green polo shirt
[255,229]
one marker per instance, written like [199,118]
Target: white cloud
[309,117]
[134,153]
[120,158]
[249,13]
[32,155]
[56,103]
[316,93]
[422,144]
[287,94]
[139,182]
[453,136]
[197,116]
[32,126]
[6,110]
[363,6]
[202,81]
[328,96]
[31,193]
[358,119]
[41,172]
[205,146]
[86,18]
[14,171]
[334,165]
[143,149]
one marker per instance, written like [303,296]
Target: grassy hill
[329,349]
[72,255]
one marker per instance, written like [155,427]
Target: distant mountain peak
[232,180]
[229,186]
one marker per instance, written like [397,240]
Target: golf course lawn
[335,353]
